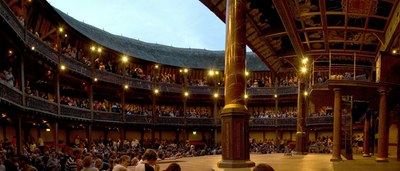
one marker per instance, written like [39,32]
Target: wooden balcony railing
[200,122]
[10,94]
[170,121]
[42,105]
[319,120]
[10,18]
[76,66]
[109,77]
[139,119]
[170,87]
[286,121]
[257,122]
[107,116]
[14,96]
[71,111]
[140,84]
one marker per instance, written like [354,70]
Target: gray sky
[180,23]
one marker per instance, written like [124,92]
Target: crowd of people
[116,155]
[273,114]
[107,155]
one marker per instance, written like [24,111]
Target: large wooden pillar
[216,117]
[90,94]
[337,120]
[122,134]
[54,130]
[367,130]
[235,116]
[18,128]
[398,140]
[301,114]
[4,131]
[89,134]
[382,155]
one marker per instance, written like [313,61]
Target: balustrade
[170,120]
[170,87]
[109,77]
[10,18]
[290,121]
[10,94]
[40,104]
[263,122]
[75,112]
[76,66]
[319,120]
[200,122]
[139,119]
[107,116]
[140,84]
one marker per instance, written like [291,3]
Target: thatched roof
[167,55]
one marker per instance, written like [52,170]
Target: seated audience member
[87,164]
[263,167]
[173,167]
[98,164]
[149,159]
[123,163]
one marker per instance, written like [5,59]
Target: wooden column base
[366,155]
[235,164]
[300,143]
[378,159]
[336,159]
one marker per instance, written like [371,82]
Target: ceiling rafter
[281,8]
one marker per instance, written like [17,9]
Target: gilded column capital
[337,89]
[382,91]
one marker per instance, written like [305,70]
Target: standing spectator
[8,76]
[25,164]
[53,163]
[71,163]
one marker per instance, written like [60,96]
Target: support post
[337,120]
[382,155]
[235,116]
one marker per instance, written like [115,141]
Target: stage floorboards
[309,162]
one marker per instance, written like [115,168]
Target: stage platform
[309,162]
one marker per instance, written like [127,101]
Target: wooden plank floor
[310,162]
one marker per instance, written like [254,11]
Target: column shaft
[337,120]
[54,130]
[301,124]
[235,116]
[89,135]
[382,155]
[398,140]
[19,134]
[367,129]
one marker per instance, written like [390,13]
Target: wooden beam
[288,23]
[49,33]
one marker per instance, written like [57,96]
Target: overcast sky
[179,23]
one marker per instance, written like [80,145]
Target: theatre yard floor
[309,162]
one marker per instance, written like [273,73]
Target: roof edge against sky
[157,53]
